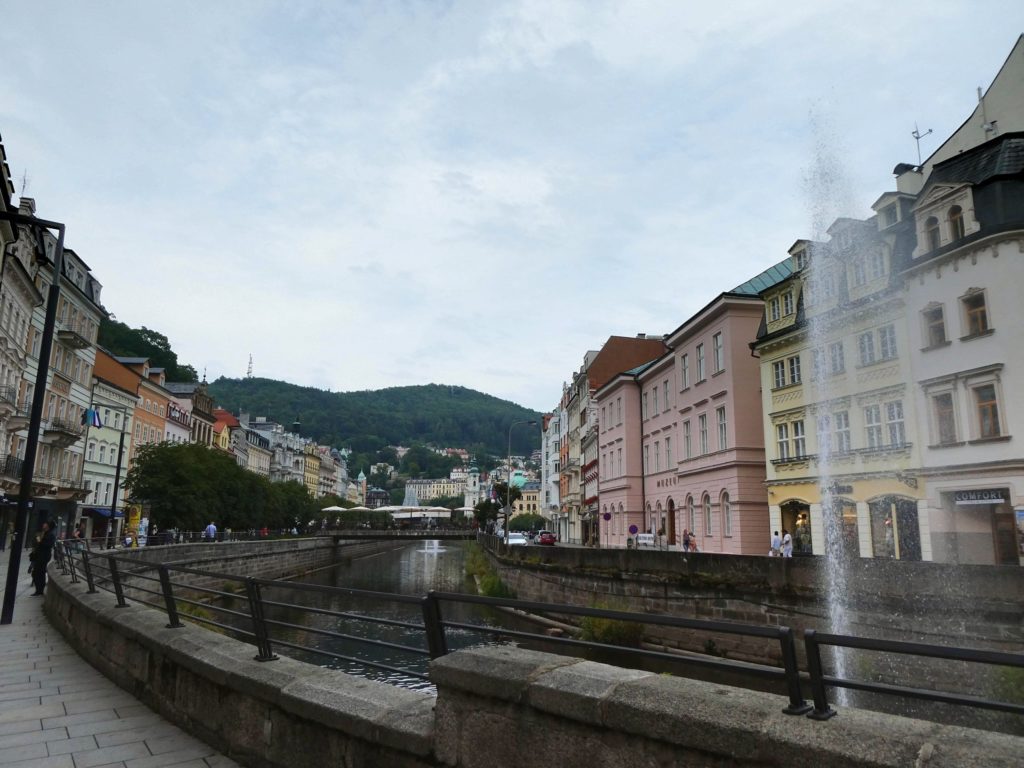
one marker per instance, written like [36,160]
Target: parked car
[517,539]
[546,537]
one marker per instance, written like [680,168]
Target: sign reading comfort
[981,496]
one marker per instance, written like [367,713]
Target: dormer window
[956,222]
[773,309]
[800,260]
[890,216]
[931,233]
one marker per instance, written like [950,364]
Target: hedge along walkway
[56,711]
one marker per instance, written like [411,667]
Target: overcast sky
[363,195]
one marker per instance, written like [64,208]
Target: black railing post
[58,554]
[432,624]
[72,571]
[172,609]
[797,704]
[115,576]
[822,710]
[259,624]
[87,567]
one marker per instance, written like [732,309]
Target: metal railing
[250,615]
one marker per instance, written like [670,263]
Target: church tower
[472,495]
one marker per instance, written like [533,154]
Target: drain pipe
[643,469]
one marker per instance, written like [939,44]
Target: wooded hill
[435,414]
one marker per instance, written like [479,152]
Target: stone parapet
[503,706]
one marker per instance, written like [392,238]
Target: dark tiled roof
[771,276]
[181,387]
[131,360]
[1001,157]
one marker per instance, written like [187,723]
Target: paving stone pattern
[56,711]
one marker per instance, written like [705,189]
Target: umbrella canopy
[464,509]
[360,509]
[333,509]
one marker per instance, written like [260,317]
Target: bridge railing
[258,611]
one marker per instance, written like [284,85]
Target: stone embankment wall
[500,706]
[928,602]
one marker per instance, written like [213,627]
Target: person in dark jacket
[41,556]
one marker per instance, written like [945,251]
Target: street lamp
[508,489]
[36,413]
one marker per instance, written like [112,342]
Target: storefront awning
[103,511]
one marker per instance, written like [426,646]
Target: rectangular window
[794,370]
[836,358]
[643,408]
[604,422]
[799,441]
[719,351]
[866,344]
[782,441]
[894,420]
[620,462]
[887,341]
[842,419]
[702,423]
[773,309]
[945,418]
[619,401]
[873,426]
[975,314]
[787,303]
[700,363]
[687,442]
[779,373]
[685,362]
[876,265]
[654,401]
[657,456]
[859,274]
[668,453]
[664,392]
[934,327]
[818,362]
[647,459]
[988,411]
[723,429]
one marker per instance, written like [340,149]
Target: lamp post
[36,413]
[508,489]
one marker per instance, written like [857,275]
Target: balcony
[75,335]
[60,433]
[10,470]
[19,417]
[8,401]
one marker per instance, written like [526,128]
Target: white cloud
[373,194]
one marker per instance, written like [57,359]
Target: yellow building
[529,503]
[838,394]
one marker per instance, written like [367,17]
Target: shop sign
[981,496]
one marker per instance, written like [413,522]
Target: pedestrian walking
[776,547]
[40,556]
[787,544]
[211,532]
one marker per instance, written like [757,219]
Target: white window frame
[702,423]
[718,349]
[723,428]
[873,434]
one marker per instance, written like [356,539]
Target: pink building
[687,450]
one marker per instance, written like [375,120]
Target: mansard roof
[774,275]
[1000,157]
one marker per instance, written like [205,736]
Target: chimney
[27,206]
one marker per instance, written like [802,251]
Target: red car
[546,537]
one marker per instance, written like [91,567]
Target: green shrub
[612,631]
[492,586]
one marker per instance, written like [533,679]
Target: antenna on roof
[24,182]
[917,137]
[248,373]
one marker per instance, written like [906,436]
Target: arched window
[103,454]
[691,515]
[706,503]
[931,233]
[726,514]
[956,222]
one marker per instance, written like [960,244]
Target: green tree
[123,340]
[528,522]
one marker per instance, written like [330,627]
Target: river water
[413,569]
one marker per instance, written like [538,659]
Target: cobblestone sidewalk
[56,711]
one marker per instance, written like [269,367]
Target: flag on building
[91,418]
